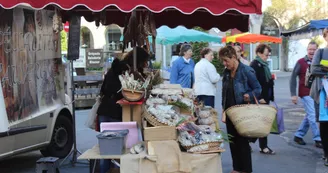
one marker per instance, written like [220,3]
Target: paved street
[290,158]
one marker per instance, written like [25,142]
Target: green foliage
[287,12]
[218,64]
[63,39]
[318,39]
[197,47]
[157,65]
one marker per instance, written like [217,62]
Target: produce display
[199,137]
[207,116]
[169,108]
[129,82]
[165,114]
[136,149]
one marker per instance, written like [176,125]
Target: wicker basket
[132,96]
[252,120]
[151,119]
[211,145]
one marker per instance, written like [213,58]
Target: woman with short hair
[206,78]
[263,74]
[182,71]
[239,86]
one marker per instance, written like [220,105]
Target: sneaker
[318,144]
[299,141]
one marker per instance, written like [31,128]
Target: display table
[199,163]
[93,155]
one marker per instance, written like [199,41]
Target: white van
[34,110]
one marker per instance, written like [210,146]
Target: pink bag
[133,135]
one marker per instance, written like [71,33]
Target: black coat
[109,91]
[266,86]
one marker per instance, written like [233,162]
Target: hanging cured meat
[136,31]
[130,31]
[153,31]
[141,32]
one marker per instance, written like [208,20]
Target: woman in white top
[206,78]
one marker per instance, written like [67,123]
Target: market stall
[173,129]
[162,109]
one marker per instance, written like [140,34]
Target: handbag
[91,120]
[278,125]
[323,102]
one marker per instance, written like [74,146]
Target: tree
[63,39]
[197,48]
[291,13]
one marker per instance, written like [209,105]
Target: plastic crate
[112,142]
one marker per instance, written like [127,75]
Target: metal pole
[135,59]
[73,112]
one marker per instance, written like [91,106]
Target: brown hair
[184,48]
[227,51]
[325,32]
[204,52]
[142,58]
[261,47]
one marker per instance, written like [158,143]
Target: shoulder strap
[321,53]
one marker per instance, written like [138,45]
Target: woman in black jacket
[263,74]
[109,110]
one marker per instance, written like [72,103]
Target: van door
[6,140]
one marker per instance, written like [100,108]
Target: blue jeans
[309,120]
[106,164]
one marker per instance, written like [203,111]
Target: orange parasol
[250,38]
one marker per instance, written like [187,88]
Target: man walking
[303,92]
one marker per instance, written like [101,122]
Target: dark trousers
[208,100]
[323,131]
[240,150]
[324,137]
[263,142]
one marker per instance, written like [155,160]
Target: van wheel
[62,139]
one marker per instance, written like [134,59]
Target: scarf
[266,68]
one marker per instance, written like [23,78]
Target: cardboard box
[159,133]
[136,111]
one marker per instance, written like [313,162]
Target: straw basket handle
[254,99]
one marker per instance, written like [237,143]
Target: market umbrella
[251,38]
[180,34]
[206,14]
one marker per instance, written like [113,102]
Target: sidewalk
[282,74]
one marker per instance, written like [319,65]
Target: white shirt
[206,78]
[244,61]
[186,60]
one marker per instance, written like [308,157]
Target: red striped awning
[214,7]
[223,14]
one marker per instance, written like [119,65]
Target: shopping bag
[91,120]
[278,125]
[323,109]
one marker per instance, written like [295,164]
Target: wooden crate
[159,133]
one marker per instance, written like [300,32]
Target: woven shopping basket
[252,120]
